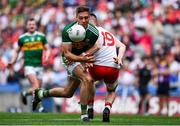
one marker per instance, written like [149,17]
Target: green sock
[46,93]
[83,109]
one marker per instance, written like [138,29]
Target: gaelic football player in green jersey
[72,51]
[32,43]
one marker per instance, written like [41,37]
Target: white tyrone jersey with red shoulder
[109,44]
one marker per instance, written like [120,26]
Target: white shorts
[71,67]
[38,71]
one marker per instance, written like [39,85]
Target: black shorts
[163,89]
[143,90]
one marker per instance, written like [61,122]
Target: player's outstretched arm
[122,49]
[47,53]
[72,57]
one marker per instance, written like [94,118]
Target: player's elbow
[98,47]
[67,55]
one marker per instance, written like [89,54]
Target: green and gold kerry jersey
[92,35]
[32,45]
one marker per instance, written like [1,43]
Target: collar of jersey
[32,33]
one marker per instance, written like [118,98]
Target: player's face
[83,19]
[31,26]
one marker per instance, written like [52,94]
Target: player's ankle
[24,93]
[90,106]
[83,116]
[108,105]
[83,109]
[40,94]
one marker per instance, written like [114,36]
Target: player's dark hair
[92,14]
[30,19]
[95,17]
[80,9]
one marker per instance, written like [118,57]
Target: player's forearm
[122,50]
[66,48]
[48,52]
[73,57]
[14,58]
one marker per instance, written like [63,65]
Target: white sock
[90,106]
[24,93]
[107,106]
[83,116]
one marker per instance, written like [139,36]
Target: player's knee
[87,80]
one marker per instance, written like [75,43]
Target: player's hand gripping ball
[77,33]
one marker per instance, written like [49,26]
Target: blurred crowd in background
[149,28]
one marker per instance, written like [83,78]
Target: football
[77,33]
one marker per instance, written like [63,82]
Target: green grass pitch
[74,119]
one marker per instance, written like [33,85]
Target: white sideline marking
[50,119]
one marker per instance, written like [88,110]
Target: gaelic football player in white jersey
[106,66]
